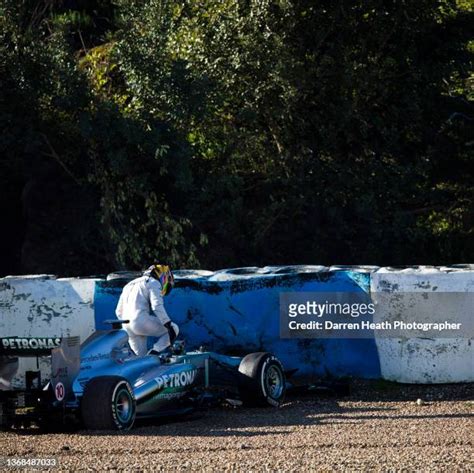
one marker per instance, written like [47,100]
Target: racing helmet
[162,273]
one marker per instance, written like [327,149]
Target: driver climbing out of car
[141,303]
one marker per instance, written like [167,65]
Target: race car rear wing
[65,361]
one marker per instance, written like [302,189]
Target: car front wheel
[261,380]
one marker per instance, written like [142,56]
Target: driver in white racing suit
[141,303]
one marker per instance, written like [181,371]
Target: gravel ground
[379,427]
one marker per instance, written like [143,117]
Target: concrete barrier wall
[424,360]
[237,311]
[43,306]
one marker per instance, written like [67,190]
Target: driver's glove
[171,332]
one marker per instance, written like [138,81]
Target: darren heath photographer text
[366,325]
[316,309]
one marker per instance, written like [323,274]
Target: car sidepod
[166,388]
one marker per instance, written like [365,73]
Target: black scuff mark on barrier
[214,334]
[234,286]
[386,286]
[210,287]
[254,283]
[66,313]
[234,330]
[67,306]
[6,304]
[411,349]
[14,296]
[284,280]
[423,285]
[232,308]
[189,315]
[110,287]
[184,323]
[45,313]
[22,296]
[194,315]
[31,315]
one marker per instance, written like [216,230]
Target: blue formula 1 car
[103,385]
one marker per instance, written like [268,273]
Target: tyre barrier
[424,360]
[236,311]
[45,307]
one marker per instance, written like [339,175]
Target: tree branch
[56,157]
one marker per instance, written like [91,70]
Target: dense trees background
[214,133]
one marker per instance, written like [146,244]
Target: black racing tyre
[6,416]
[108,403]
[261,380]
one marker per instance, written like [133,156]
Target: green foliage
[320,130]
[228,133]
[98,182]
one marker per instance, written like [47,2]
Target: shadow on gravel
[398,417]
[228,422]
[302,409]
[388,391]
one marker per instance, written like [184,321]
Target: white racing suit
[141,303]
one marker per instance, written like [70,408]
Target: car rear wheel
[262,380]
[108,403]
